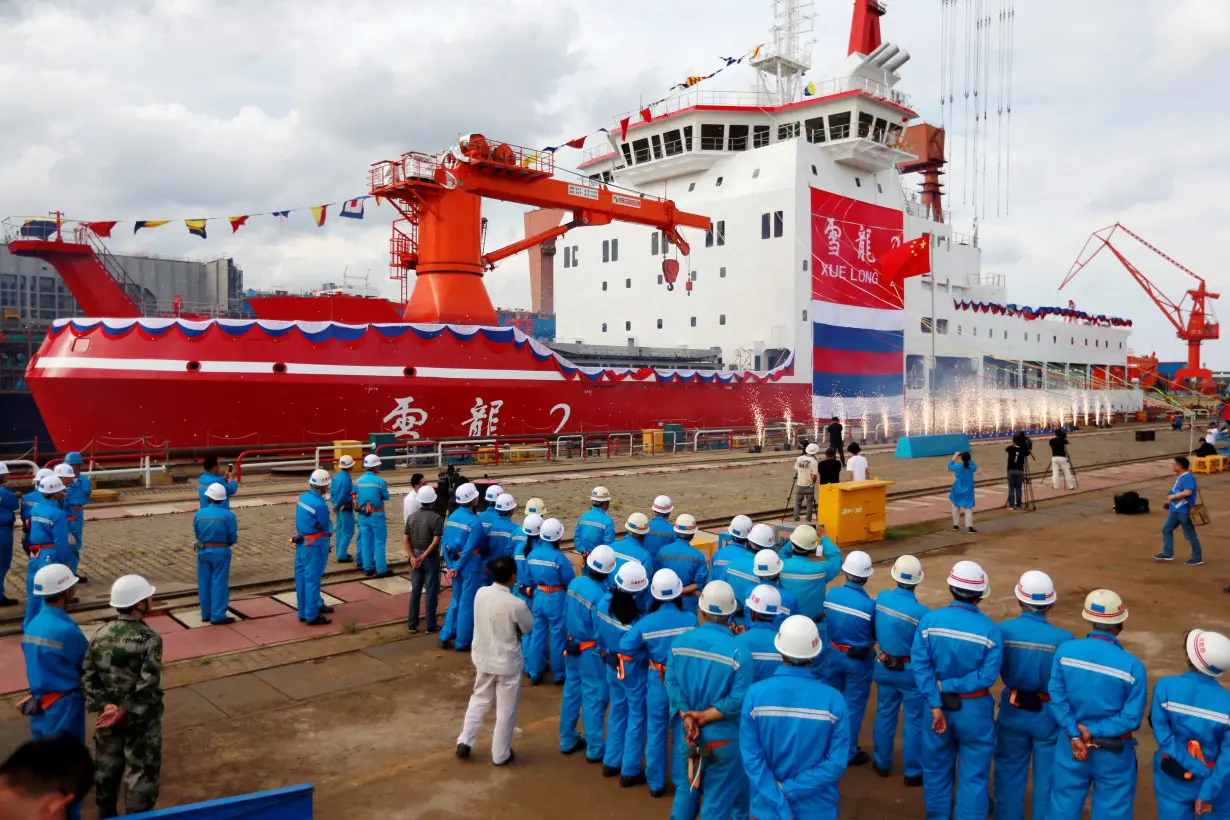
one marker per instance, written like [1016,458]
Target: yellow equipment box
[653,440]
[354,449]
[706,542]
[854,511]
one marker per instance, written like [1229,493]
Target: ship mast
[781,62]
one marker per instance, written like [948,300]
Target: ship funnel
[897,62]
[879,50]
[883,54]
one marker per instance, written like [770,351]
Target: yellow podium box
[354,449]
[854,511]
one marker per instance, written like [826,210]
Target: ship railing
[21,469]
[144,465]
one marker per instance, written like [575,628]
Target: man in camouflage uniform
[121,679]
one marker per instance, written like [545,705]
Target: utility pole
[934,368]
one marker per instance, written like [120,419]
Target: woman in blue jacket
[962,493]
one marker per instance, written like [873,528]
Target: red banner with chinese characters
[848,237]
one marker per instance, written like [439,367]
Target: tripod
[790,499]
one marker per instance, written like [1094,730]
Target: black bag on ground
[1130,503]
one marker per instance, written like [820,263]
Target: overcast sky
[173,109]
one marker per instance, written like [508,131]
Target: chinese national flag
[911,259]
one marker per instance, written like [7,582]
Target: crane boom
[440,197]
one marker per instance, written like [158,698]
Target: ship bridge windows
[865,123]
[788,131]
[712,137]
[640,150]
[738,138]
[880,133]
[895,133]
[627,149]
[814,128]
[656,142]
[672,142]
[760,136]
[839,125]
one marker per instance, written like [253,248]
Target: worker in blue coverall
[341,493]
[54,649]
[650,720]
[524,541]
[463,545]
[1098,694]
[1025,728]
[595,526]
[214,474]
[550,573]
[707,679]
[9,505]
[850,617]
[502,532]
[792,734]
[896,620]
[661,531]
[68,477]
[617,612]
[371,494]
[686,561]
[956,657]
[1190,716]
[807,569]
[48,539]
[731,544]
[740,572]
[75,501]
[314,527]
[632,548]
[767,567]
[28,502]
[216,531]
[489,514]
[585,693]
[761,612]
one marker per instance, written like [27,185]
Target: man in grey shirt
[421,541]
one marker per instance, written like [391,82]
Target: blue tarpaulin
[291,803]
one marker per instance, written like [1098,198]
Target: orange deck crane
[440,233]
[1192,317]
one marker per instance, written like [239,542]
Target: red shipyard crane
[1192,316]
[440,234]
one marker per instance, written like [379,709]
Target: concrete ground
[371,718]
[157,540]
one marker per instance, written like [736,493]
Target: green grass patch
[911,530]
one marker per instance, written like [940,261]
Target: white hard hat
[907,570]
[798,638]
[858,564]
[804,538]
[766,564]
[1104,607]
[426,495]
[552,530]
[371,460]
[466,493]
[320,478]
[50,485]
[43,473]
[532,524]
[969,576]
[631,577]
[762,535]
[1036,588]
[666,585]
[662,504]
[216,491]
[637,523]
[505,503]
[4,468]
[535,506]
[601,559]
[345,462]
[764,599]
[493,492]
[1209,652]
[685,524]
[717,598]
[812,449]
[599,494]
[130,590]
[55,578]
[740,526]
[65,471]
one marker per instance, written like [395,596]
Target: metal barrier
[614,436]
[559,441]
[723,435]
[144,465]
[33,465]
[434,454]
[275,451]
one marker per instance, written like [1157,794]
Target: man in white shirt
[856,464]
[500,621]
[412,504]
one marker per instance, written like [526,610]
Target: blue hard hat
[74,458]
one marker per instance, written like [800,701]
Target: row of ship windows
[692,323]
[691,278]
[941,329]
[772,226]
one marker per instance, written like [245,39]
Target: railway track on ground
[178,599]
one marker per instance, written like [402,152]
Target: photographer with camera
[806,474]
[1018,451]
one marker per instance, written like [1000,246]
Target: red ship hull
[247,383]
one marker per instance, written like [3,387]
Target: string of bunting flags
[1031,314]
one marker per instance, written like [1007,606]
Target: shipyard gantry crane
[1192,316]
[439,236]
